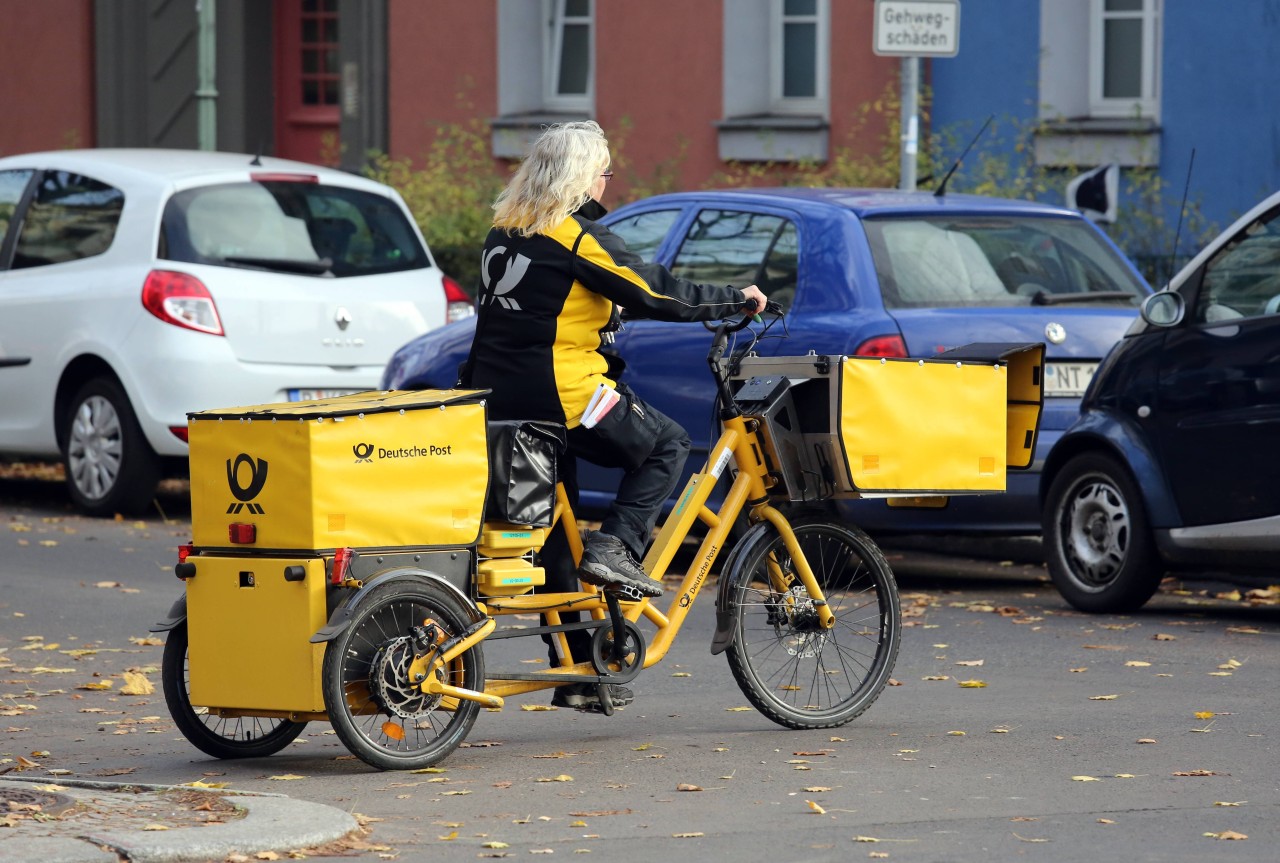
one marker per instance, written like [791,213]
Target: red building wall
[46,76]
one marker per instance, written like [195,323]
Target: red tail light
[341,562]
[182,300]
[184,551]
[180,432]
[882,346]
[459,304]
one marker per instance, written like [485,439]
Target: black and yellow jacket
[548,307]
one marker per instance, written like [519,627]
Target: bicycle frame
[739,441]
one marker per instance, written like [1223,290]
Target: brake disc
[389,681]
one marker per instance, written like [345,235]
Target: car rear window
[1007,261]
[300,227]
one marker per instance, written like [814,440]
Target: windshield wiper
[1045,298]
[284,265]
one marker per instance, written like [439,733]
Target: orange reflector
[395,732]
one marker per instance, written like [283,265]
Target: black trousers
[651,449]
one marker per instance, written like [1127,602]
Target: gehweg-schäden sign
[917,28]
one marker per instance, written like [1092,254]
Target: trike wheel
[792,669]
[219,736]
[382,717]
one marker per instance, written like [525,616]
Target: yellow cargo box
[250,621]
[370,470]
[866,426]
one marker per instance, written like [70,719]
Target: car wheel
[110,466]
[1098,544]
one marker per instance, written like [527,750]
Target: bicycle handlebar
[719,342]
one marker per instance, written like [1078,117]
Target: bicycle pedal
[625,592]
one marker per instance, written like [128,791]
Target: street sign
[917,28]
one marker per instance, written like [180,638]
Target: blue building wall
[1219,92]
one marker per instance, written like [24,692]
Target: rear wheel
[792,669]
[377,712]
[110,466]
[221,737]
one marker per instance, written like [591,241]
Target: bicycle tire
[375,711]
[221,737]
[793,671]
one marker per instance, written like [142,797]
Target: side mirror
[1163,309]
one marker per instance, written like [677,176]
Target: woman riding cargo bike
[351,557]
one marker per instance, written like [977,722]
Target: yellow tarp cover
[372,469]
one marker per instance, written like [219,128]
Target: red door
[306,72]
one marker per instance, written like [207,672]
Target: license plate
[1068,379]
[311,395]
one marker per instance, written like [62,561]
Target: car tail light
[182,300]
[180,432]
[460,305]
[882,346]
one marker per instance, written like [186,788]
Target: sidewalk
[78,821]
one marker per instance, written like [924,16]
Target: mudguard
[341,616]
[730,573]
[177,615]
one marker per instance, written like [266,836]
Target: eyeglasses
[608,175]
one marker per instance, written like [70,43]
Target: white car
[139,285]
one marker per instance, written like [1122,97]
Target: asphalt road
[1148,737]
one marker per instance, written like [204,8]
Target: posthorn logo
[246,493]
[363,451]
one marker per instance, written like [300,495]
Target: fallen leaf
[563,777]
[97,685]
[1164,636]
[1137,663]
[971,684]
[685,786]
[155,827]
[956,733]
[532,707]
[1205,714]
[1103,697]
[201,784]
[937,677]
[686,835]
[738,709]
[1146,740]
[1085,779]
[1195,773]
[136,684]
[1227,834]
[1225,803]
[682,674]
[865,839]
[285,777]
[1105,821]
[971,662]
[816,808]
[448,837]
[817,789]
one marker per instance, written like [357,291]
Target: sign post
[912,29]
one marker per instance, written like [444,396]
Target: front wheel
[793,670]
[221,737]
[1098,545]
[378,713]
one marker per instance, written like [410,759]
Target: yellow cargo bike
[342,567]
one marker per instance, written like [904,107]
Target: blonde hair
[554,180]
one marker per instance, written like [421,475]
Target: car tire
[1097,540]
[110,466]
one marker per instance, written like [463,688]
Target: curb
[274,822]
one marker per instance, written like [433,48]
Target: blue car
[1174,462]
[862,272]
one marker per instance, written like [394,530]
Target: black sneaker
[608,563]
[586,697]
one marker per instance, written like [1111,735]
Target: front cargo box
[862,426]
[370,470]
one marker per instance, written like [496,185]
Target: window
[1123,58]
[1243,278]
[776,73]
[1099,82]
[570,55]
[319,73]
[798,58]
[959,261]
[71,217]
[729,247]
[12,185]
[307,228]
[645,232]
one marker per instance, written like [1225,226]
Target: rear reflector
[242,534]
[341,562]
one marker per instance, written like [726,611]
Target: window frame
[778,19]
[557,20]
[1146,104]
